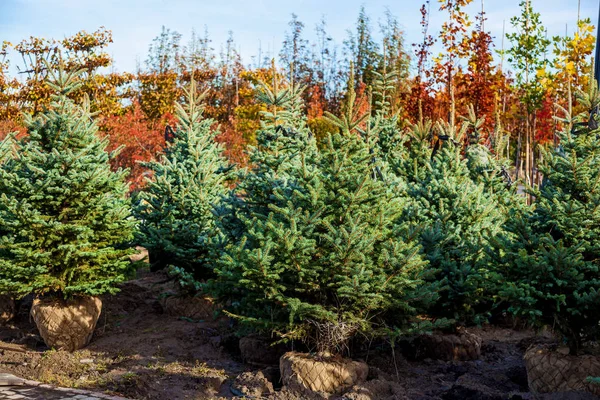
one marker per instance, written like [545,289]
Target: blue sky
[135,23]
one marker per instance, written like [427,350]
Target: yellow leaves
[540,73]
[570,68]
[4,48]
[573,57]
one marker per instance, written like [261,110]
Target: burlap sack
[550,371]
[192,307]
[67,325]
[302,373]
[463,346]
[7,309]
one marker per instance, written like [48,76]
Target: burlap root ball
[463,346]
[550,371]
[7,309]
[192,307]
[67,325]
[303,373]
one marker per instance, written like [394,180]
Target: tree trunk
[518,157]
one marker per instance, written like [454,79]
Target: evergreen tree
[548,262]
[456,218]
[176,208]
[489,166]
[322,252]
[64,214]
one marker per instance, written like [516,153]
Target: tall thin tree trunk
[452,111]
[518,157]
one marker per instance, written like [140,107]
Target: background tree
[176,207]
[82,51]
[453,38]
[418,105]
[528,58]
[395,58]
[159,88]
[136,141]
[362,50]
[295,53]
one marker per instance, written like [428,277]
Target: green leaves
[64,214]
[528,54]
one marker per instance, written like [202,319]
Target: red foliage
[11,126]
[316,102]
[545,123]
[141,141]
[234,142]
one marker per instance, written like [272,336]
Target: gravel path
[39,393]
[13,388]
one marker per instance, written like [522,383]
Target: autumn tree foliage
[480,82]
[453,38]
[83,51]
[419,103]
[136,139]
[133,109]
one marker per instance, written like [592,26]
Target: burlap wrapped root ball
[550,371]
[7,308]
[192,307]
[67,325]
[303,373]
[463,346]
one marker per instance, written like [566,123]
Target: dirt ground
[140,352]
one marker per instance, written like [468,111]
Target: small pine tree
[489,165]
[64,215]
[548,262]
[456,218]
[316,246]
[176,207]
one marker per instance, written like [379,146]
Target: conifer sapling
[64,215]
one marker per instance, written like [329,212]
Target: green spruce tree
[455,217]
[548,261]
[65,216]
[176,208]
[316,246]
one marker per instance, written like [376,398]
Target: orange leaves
[546,124]
[158,93]
[140,141]
[83,41]
[316,103]
[80,51]
[10,126]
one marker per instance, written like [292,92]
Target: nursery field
[313,229]
[139,351]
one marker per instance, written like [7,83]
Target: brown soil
[140,352]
